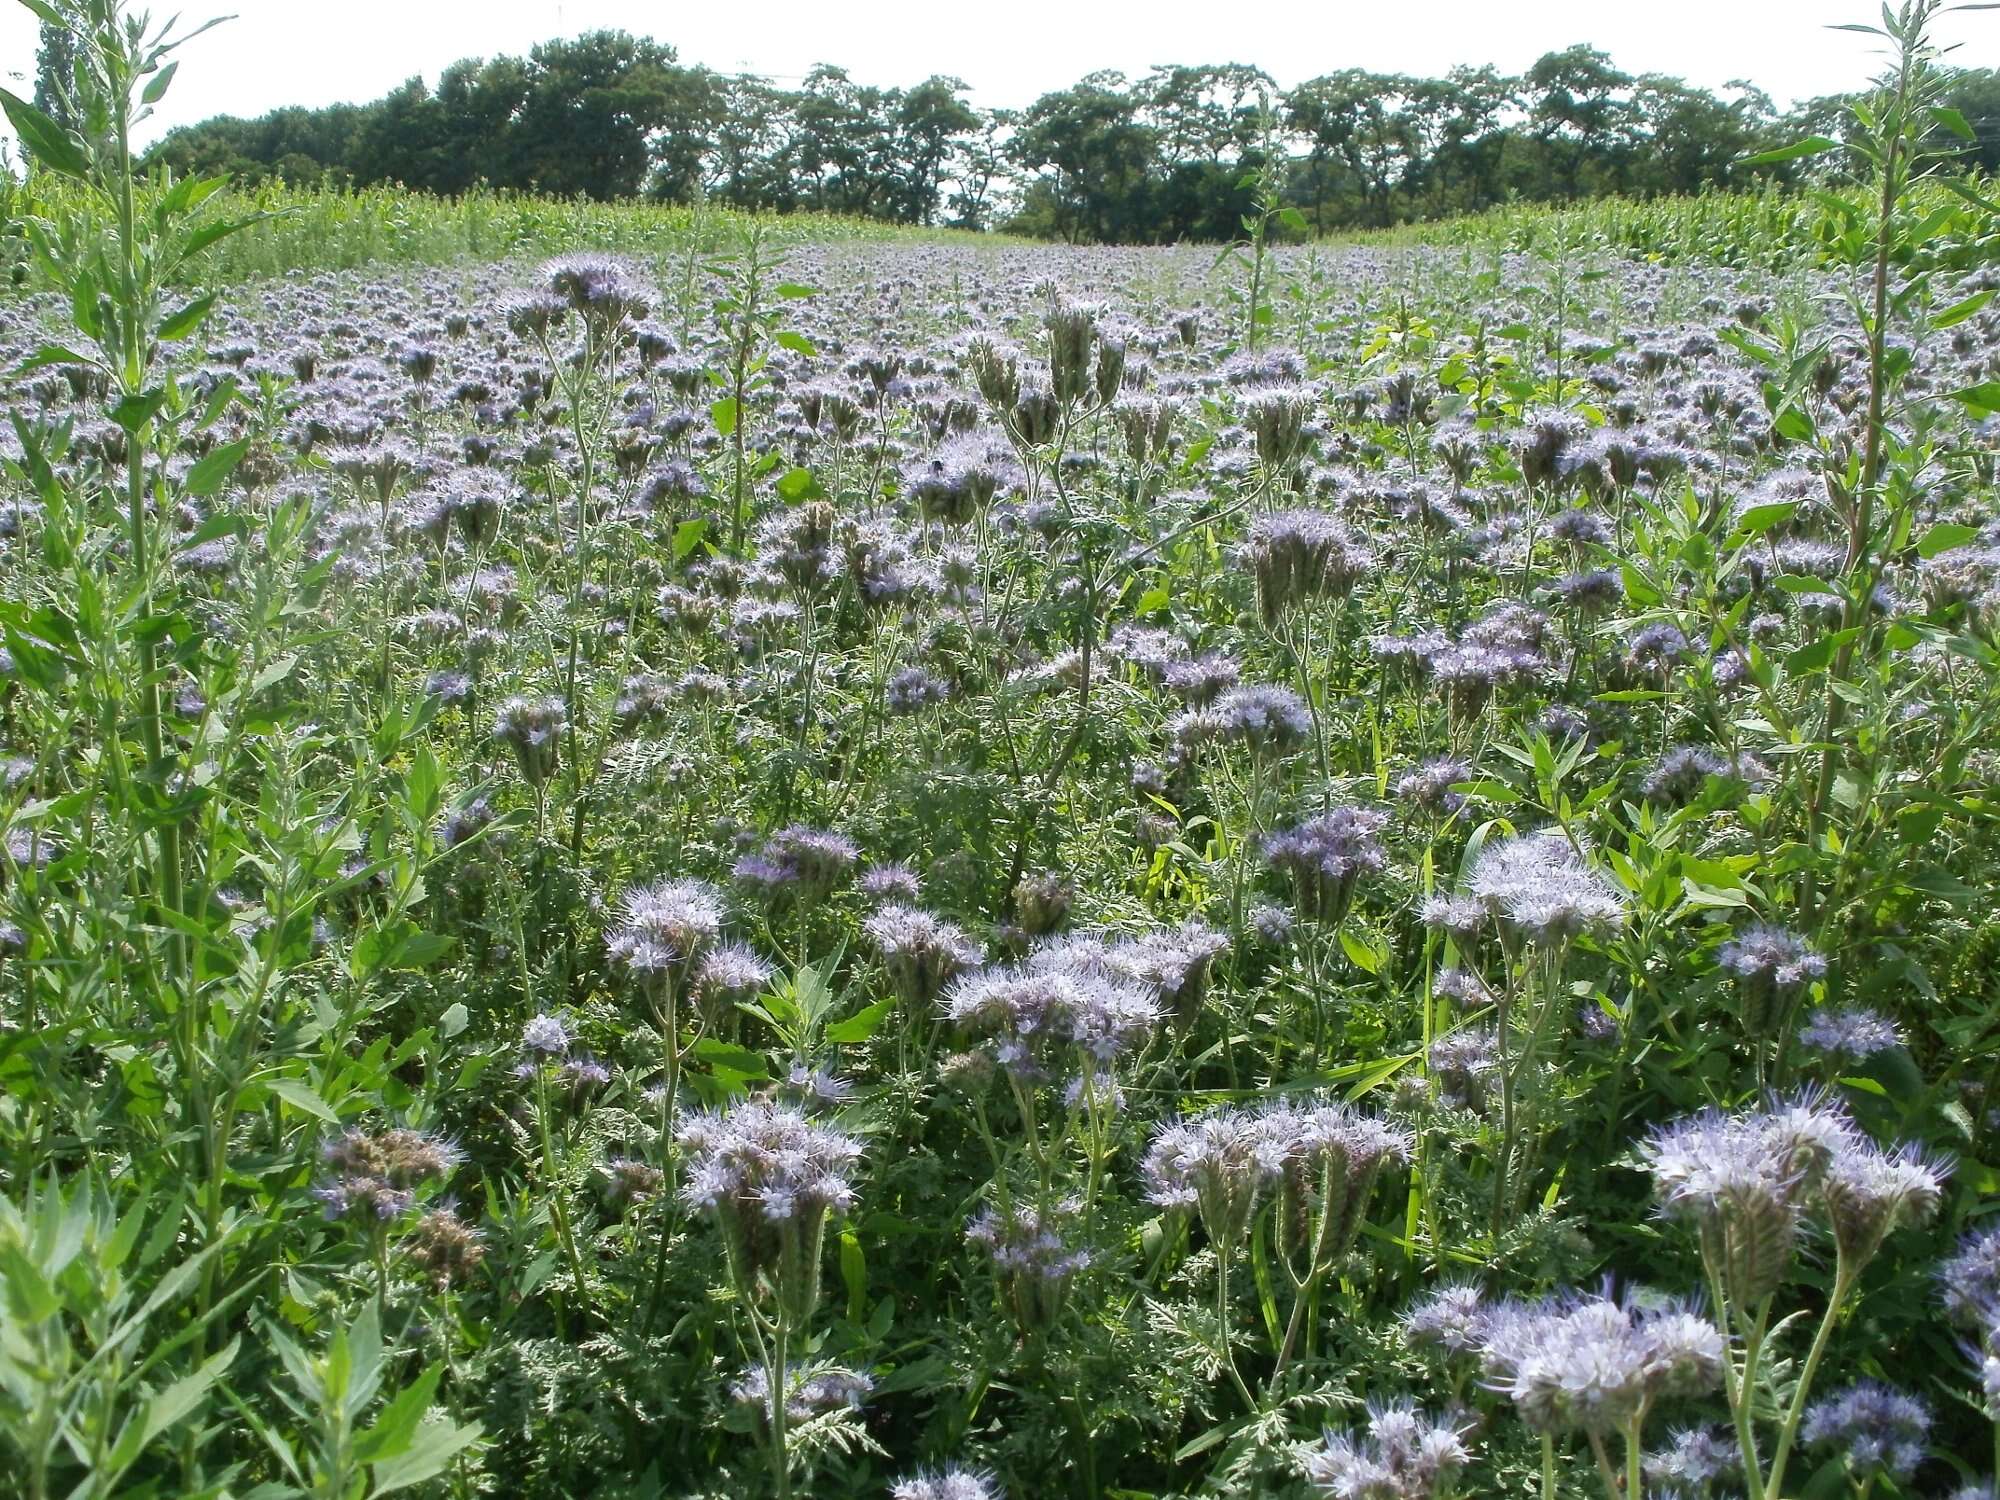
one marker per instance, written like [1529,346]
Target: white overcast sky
[312,52]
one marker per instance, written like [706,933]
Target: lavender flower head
[1594,1364]
[810,1390]
[1847,1036]
[1875,1428]
[948,1483]
[887,882]
[920,951]
[1326,857]
[1069,1003]
[1034,1256]
[664,927]
[728,975]
[771,1177]
[1772,967]
[374,1176]
[1402,1454]
[1451,1318]
[1542,888]
[532,728]
[546,1035]
[802,863]
[1297,555]
[1693,1459]
[1217,1165]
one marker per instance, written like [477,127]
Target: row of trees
[1165,156]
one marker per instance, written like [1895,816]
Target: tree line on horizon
[1176,154]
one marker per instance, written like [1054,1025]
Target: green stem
[1843,1280]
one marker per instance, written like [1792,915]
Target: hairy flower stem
[558,1210]
[1225,1345]
[1605,1471]
[1739,1386]
[670,1030]
[1844,1276]
[781,1458]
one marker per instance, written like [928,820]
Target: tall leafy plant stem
[1890,169]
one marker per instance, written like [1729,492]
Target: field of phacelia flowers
[952,871]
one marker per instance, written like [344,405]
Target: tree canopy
[1168,156]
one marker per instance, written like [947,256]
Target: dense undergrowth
[781,867]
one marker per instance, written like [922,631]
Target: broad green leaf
[861,1025]
[1812,145]
[301,1095]
[1944,536]
[212,469]
[180,324]
[723,414]
[44,140]
[688,536]
[797,485]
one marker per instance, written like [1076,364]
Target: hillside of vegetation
[666,853]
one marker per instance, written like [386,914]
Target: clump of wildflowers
[1542,889]
[1300,555]
[532,728]
[1326,857]
[1772,969]
[1402,1454]
[920,951]
[1874,1428]
[949,1483]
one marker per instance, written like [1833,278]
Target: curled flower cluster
[1033,1256]
[920,951]
[1772,967]
[770,1176]
[1747,1181]
[1595,1364]
[1874,1428]
[375,1176]
[798,862]
[1402,1454]
[532,728]
[1076,1000]
[1323,1159]
[1326,857]
[1297,555]
[665,927]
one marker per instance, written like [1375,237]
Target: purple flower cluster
[1595,1364]
[1401,1454]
